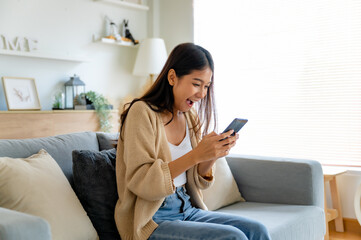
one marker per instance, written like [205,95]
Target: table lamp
[151,58]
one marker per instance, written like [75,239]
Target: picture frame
[21,93]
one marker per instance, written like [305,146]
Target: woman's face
[190,88]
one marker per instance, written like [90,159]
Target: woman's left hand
[231,143]
[204,168]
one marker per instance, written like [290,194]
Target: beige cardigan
[143,175]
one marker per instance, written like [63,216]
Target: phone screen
[236,125]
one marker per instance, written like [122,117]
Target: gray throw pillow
[95,185]
[107,140]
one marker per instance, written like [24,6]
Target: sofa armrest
[278,180]
[20,226]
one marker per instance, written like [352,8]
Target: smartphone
[236,125]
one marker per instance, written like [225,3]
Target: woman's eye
[196,85]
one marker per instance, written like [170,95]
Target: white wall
[67,27]
[176,22]
[347,184]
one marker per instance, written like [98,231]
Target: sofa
[286,195]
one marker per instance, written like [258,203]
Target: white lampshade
[150,58]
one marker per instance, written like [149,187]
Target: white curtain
[293,68]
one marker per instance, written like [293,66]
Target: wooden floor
[344,236]
[352,230]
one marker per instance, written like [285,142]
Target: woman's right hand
[213,147]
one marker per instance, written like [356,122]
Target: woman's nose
[202,93]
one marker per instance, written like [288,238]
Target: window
[293,68]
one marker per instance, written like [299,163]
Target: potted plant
[102,108]
[58,101]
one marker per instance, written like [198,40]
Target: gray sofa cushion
[107,140]
[96,188]
[278,180]
[59,147]
[284,222]
[16,225]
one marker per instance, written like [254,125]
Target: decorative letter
[15,46]
[32,44]
[2,45]
[5,40]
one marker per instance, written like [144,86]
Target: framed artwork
[21,93]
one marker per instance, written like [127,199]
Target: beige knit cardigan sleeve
[148,175]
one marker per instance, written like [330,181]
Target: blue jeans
[178,219]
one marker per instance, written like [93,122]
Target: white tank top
[177,152]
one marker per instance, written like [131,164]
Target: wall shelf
[42,55]
[113,42]
[122,3]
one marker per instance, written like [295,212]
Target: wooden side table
[357,204]
[334,213]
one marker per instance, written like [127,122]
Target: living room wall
[69,28]
[176,22]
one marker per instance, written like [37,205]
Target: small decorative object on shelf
[73,88]
[80,102]
[113,33]
[127,33]
[58,100]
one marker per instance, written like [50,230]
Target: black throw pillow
[96,187]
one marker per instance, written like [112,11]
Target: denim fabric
[178,219]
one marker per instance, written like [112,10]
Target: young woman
[164,161]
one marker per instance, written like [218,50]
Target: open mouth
[190,102]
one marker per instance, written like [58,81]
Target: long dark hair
[184,59]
